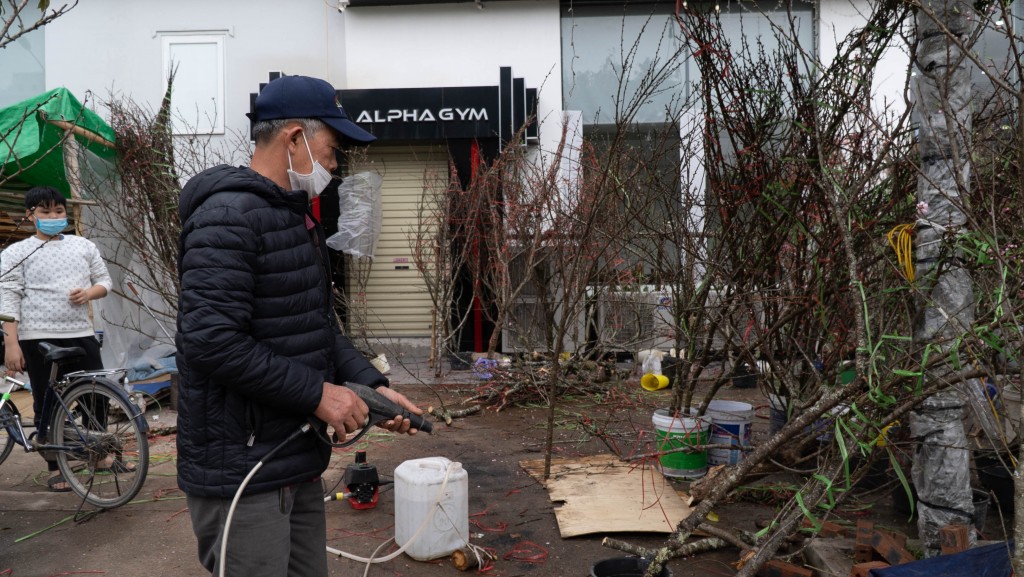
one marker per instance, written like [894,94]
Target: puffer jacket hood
[225,178]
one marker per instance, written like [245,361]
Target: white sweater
[36,278]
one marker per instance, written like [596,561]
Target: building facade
[436,81]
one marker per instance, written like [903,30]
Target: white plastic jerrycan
[434,522]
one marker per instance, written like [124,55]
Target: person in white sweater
[46,283]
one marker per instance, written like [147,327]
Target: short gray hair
[264,130]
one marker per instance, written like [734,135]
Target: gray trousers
[274,534]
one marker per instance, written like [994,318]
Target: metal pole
[150,311]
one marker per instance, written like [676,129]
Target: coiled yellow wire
[901,240]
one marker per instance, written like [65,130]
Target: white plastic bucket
[418,485]
[730,425]
[675,432]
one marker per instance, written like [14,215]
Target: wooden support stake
[433,337]
[79,131]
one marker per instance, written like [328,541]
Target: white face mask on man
[313,183]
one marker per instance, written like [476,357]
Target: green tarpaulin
[31,133]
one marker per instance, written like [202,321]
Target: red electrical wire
[488,564]
[176,513]
[499,528]
[527,552]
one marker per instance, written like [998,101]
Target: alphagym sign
[437,114]
[378,116]
[425,113]
[442,113]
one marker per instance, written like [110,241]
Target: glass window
[633,62]
[638,59]
[23,62]
[616,59]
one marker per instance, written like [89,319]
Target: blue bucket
[730,425]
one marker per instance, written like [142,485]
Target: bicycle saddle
[55,354]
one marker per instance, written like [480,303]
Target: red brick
[863,569]
[828,528]
[865,529]
[863,553]
[776,568]
[954,538]
[897,537]
[890,549]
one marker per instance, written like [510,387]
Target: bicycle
[95,433]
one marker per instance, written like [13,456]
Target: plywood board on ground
[602,494]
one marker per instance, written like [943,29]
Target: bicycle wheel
[106,454]
[7,425]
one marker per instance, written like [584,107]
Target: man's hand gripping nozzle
[382,409]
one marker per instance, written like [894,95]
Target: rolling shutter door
[397,303]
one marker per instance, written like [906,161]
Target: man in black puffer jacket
[259,346]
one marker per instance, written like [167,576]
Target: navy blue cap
[306,97]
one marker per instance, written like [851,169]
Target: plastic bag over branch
[359,222]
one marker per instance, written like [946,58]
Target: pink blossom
[922,208]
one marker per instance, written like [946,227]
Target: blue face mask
[51,226]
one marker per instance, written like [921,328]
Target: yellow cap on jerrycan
[431,532]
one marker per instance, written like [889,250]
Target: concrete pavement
[44,533]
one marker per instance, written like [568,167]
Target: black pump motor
[361,483]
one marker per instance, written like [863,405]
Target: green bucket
[675,432]
[847,372]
